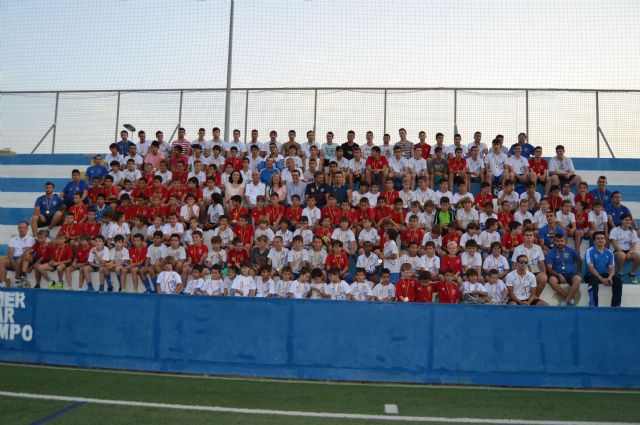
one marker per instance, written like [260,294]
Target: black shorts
[568,277]
[46,222]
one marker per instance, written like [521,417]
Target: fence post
[315,109]
[180,109]
[597,125]
[227,100]
[455,112]
[55,124]
[117,118]
[385,113]
[246,114]
[526,103]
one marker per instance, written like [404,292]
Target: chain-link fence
[588,123]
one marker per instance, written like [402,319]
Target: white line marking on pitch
[391,409]
[296,413]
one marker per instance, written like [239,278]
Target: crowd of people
[471,223]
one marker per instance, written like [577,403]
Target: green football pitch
[36,394]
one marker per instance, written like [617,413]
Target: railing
[590,123]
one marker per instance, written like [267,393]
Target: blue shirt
[48,207]
[265,175]
[546,238]
[123,147]
[340,193]
[96,171]
[615,213]
[600,260]
[527,149]
[563,261]
[100,213]
[603,197]
[71,189]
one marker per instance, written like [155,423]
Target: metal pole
[246,114]
[315,109]
[180,109]
[526,103]
[227,102]
[597,125]
[117,117]
[455,112]
[385,113]
[55,124]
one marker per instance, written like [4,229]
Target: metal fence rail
[591,123]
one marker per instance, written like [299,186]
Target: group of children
[407,242]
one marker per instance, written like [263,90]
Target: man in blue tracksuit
[601,270]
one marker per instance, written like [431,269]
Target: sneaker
[101,288]
[90,287]
[571,302]
[634,279]
[52,285]
[67,288]
[563,303]
[60,285]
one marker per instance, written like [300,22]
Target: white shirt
[475,165]
[384,292]
[418,165]
[520,217]
[471,262]
[225,235]
[469,287]
[495,291]
[307,235]
[525,195]
[424,196]
[346,237]
[513,198]
[20,245]
[369,263]
[119,256]
[370,235]
[156,253]
[431,264]
[245,284]
[193,286]
[265,288]
[490,262]
[518,165]
[213,287]
[114,230]
[297,259]
[467,217]
[398,165]
[565,220]
[216,257]
[357,167]
[600,220]
[338,291]
[317,259]
[624,237]
[534,254]
[439,195]
[393,265]
[540,219]
[564,166]
[416,262]
[294,287]
[167,230]
[96,256]
[312,214]
[487,238]
[361,290]
[177,254]
[168,281]
[522,285]
[496,163]
[278,258]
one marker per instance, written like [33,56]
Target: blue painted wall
[454,344]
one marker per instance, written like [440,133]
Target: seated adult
[18,246]
[601,193]
[526,148]
[563,265]
[75,186]
[96,170]
[624,241]
[521,284]
[601,270]
[615,210]
[561,169]
[47,210]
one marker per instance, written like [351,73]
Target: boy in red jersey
[137,257]
[338,259]
[539,166]
[78,209]
[60,256]
[196,255]
[81,259]
[405,286]
[245,232]
[237,255]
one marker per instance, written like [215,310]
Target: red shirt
[180,192]
[91,229]
[197,254]
[82,254]
[197,193]
[339,261]
[136,210]
[60,253]
[482,199]
[588,199]
[582,220]
[538,166]
[112,192]
[426,150]
[163,192]
[138,255]
[405,288]
[412,235]
[41,251]
[398,217]
[79,212]
[359,214]
[236,213]
[451,263]
[72,231]
[154,211]
[377,164]
[178,158]
[235,162]
[505,218]
[457,164]
[555,204]
[510,242]
[92,194]
[235,258]
[334,213]
[246,233]
[275,213]
[381,213]
[324,232]
[389,196]
[256,214]
[424,293]
[451,235]
[293,214]
[180,177]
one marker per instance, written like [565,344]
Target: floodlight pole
[227,100]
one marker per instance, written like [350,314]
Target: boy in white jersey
[361,289]
[214,284]
[169,282]
[196,283]
[265,286]
[243,284]
[384,291]
[496,261]
[336,289]
[473,292]
[497,291]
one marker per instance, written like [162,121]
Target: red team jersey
[412,235]
[588,199]
[334,213]
[377,164]
[510,242]
[424,293]
[457,164]
[60,253]
[293,214]
[481,199]
[197,254]
[72,231]
[92,229]
[245,233]
[451,263]
[79,212]
[538,166]
[339,261]
[138,255]
[82,254]
[237,257]
[405,289]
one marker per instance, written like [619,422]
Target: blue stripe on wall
[40,159]
[15,215]
[30,185]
